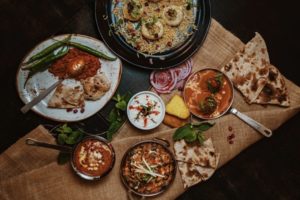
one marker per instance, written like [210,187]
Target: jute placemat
[32,172]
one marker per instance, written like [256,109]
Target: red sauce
[196,90]
[93,157]
[75,64]
[155,112]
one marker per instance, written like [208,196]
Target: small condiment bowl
[139,103]
[73,150]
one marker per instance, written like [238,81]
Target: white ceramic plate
[43,80]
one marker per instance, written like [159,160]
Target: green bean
[47,50]
[44,63]
[92,51]
[89,50]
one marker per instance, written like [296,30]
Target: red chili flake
[75,111]
[230,141]
[169,43]
[69,109]
[131,107]
[230,128]
[145,122]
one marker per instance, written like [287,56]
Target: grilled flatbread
[196,162]
[67,97]
[275,91]
[249,68]
[95,87]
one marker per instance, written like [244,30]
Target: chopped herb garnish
[208,105]
[214,84]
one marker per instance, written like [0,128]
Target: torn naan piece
[249,69]
[196,162]
[95,87]
[67,97]
[275,91]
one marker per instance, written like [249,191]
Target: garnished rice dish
[154,26]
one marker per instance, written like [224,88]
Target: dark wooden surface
[270,169]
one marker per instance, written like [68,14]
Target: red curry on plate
[208,93]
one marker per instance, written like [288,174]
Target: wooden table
[268,170]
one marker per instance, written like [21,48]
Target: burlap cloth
[32,172]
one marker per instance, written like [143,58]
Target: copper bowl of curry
[93,158]
[208,93]
[148,168]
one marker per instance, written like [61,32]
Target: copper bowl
[164,144]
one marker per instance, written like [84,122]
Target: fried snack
[177,107]
[173,121]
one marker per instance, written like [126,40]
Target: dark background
[270,169]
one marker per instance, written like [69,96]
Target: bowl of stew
[148,168]
[93,158]
[208,93]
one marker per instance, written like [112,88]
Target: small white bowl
[145,98]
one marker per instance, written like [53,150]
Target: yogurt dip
[146,110]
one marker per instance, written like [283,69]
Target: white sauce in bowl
[146,110]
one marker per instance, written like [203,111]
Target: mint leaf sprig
[192,132]
[117,115]
[67,136]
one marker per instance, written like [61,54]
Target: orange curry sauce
[196,90]
[75,64]
[93,157]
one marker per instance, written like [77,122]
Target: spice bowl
[146,110]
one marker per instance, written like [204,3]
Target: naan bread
[196,162]
[249,68]
[67,97]
[95,87]
[275,91]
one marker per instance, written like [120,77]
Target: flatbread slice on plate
[249,68]
[67,97]
[275,91]
[196,162]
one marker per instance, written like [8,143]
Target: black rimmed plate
[105,18]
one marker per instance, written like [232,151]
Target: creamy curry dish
[154,26]
[148,168]
[93,157]
[208,93]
